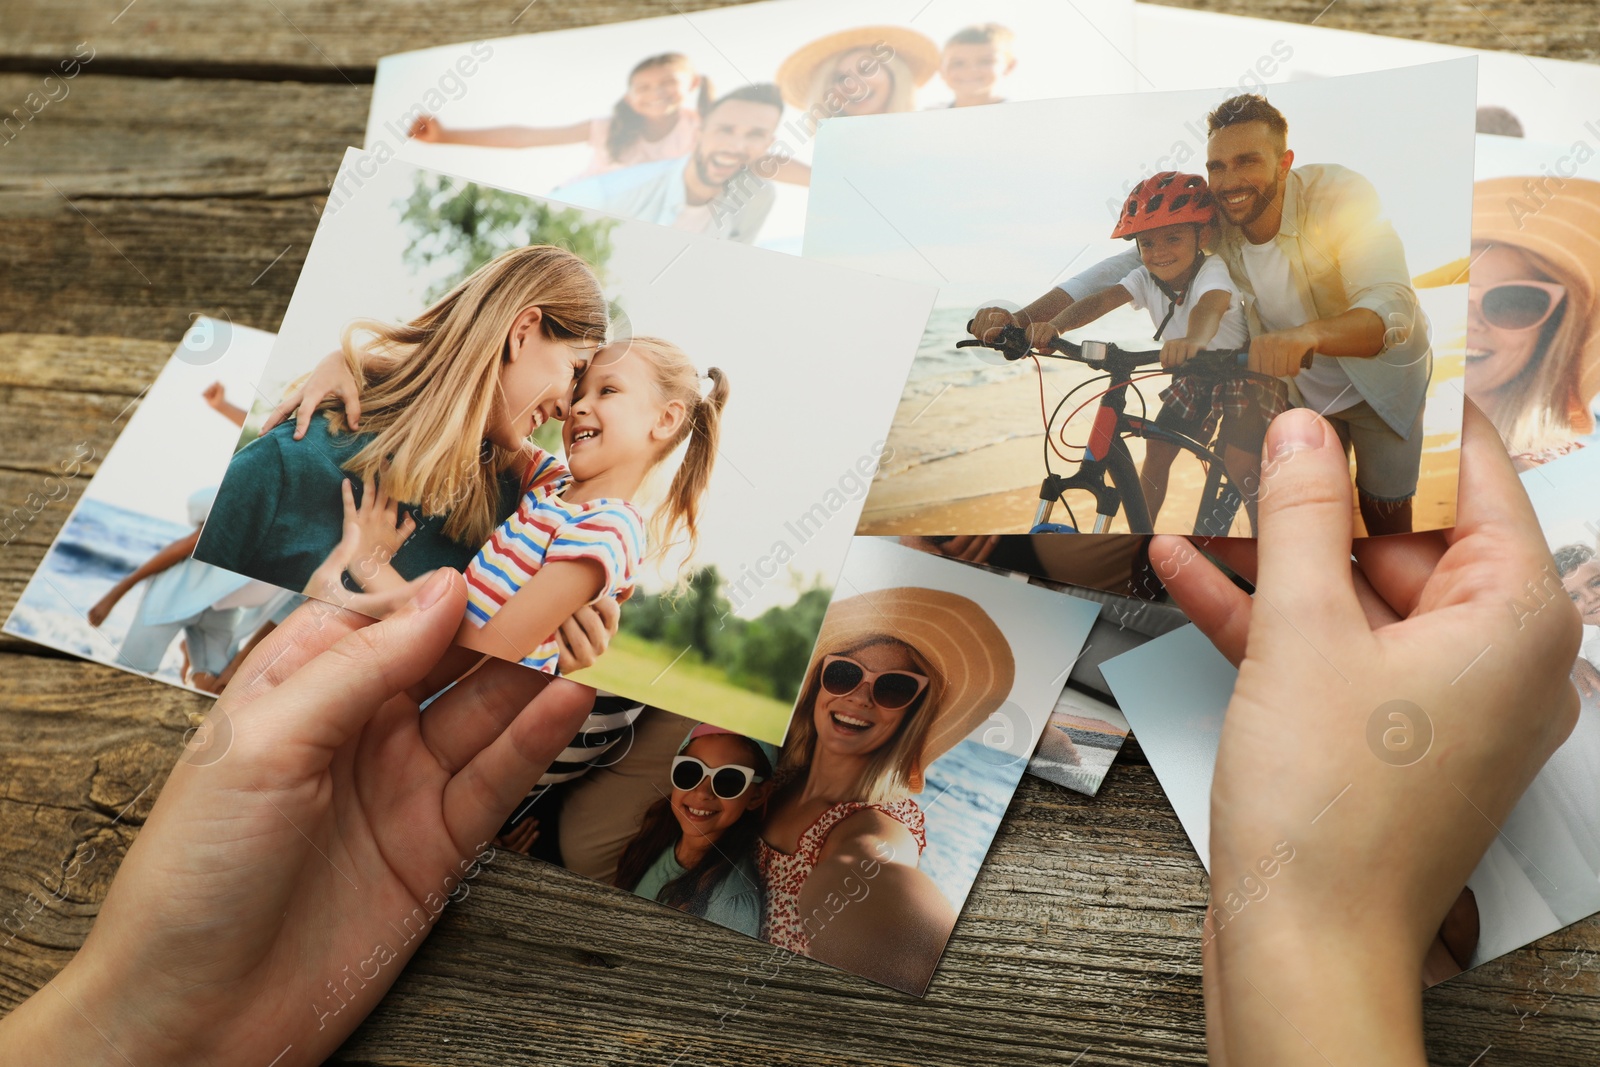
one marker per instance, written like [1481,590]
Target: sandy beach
[966,454]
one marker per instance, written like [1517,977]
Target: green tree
[460,225]
[775,647]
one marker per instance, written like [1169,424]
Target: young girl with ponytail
[576,537]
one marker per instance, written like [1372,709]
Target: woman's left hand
[303,846]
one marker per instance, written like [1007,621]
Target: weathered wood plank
[342,43]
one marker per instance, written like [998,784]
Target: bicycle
[1106,455]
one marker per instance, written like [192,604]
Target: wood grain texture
[316,40]
[194,149]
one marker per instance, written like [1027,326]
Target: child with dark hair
[975,63]
[653,120]
[694,847]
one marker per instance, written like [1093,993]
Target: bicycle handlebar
[1013,344]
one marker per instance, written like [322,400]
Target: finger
[350,396]
[1398,567]
[334,695]
[369,494]
[1379,612]
[1303,553]
[349,498]
[478,798]
[1217,607]
[1490,498]
[577,633]
[407,528]
[983,549]
[457,663]
[470,715]
[277,414]
[302,416]
[1238,554]
[310,630]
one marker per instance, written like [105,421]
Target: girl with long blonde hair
[576,537]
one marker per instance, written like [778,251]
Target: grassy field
[639,669]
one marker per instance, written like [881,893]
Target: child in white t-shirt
[1195,306]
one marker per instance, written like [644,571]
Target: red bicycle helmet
[1166,199]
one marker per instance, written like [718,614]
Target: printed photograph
[1533,331]
[118,586]
[704,120]
[607,425]
[1086,730]
[1518,95]
[857,841]
[1119,320]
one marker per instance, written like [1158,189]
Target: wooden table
[184,173]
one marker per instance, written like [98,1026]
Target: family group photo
[599,422]
[118,585]
[1118,323]
[857,840]
[705,121]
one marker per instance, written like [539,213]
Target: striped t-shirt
[546,529]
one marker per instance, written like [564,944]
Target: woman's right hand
[988,322]
[329,378]
[426,128]
[1386,718]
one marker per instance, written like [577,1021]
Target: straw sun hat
[1565,232]
[795,75]
[957,638]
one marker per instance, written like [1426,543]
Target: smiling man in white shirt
[711,190]
[1320,271]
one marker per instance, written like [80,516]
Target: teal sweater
[279,511]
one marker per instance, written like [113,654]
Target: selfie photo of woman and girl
[857,840]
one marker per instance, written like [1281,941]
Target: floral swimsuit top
[783,873]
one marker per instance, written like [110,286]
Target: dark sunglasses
[728,782]
[891,690]
[1516,305]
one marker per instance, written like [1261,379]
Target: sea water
[100,545]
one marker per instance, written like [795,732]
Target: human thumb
[1303,553]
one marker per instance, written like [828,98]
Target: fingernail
[1297,430]
[432,590]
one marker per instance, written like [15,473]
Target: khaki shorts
[1387,465]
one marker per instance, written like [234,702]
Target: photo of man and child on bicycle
[1277,254]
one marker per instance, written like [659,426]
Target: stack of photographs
[721,343]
